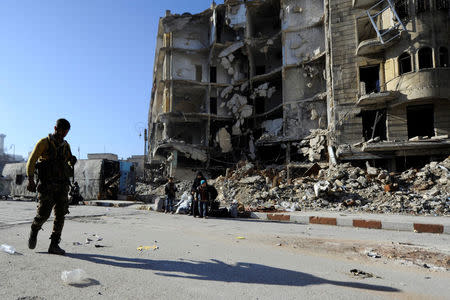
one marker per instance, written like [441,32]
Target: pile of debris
[338,188]
[342,187]
[313,145]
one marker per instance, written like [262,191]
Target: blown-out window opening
[404,63]
[425,58]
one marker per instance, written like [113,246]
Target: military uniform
[54,162]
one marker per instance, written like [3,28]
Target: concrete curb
[352,221]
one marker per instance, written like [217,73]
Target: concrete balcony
[377,99]
[423,84]
[373,47]
[409,148]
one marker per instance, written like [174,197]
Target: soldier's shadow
[216,270]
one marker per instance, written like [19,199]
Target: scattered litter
[99,246]
[240,238]
[77,244]
[371,253]
[93,238]
[8,249]
[278,244]
[141,248]
[321,187]
[76,276]
[362,274]
[433,267]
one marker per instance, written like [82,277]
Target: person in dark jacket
[170,191]
[194,193]
[203,198]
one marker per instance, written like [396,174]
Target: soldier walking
[54,163]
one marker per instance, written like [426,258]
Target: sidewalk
[428,224]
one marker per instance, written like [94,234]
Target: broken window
[425,58]
[442,5]
[404,63]
[443,57]
[420,119]
[422,5]
[213,105]
[198,72]
[213,74]
[370,76]
[374,124]
[401,7]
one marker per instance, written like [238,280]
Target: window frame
[419,57]
[400,58]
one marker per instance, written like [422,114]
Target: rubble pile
[313,145]
[342,187]
[338,188]
[150,192]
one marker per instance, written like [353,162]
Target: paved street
[216,258]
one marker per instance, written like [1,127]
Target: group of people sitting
[201,196]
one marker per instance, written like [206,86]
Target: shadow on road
[215,270]
[88,282]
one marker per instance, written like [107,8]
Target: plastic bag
[74,277]
[8,249]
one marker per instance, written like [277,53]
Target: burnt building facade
[300,80]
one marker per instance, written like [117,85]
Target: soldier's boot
[32,239]
[54,246]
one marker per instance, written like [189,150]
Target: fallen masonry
[341,187]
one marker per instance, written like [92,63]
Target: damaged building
[390,80]
[301,81]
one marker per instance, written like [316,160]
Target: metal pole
[145,149]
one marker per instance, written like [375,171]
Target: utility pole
[145,149]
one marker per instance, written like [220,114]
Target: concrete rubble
[343,187]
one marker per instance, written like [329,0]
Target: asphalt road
[216,259]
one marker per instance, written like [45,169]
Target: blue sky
[90,61]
